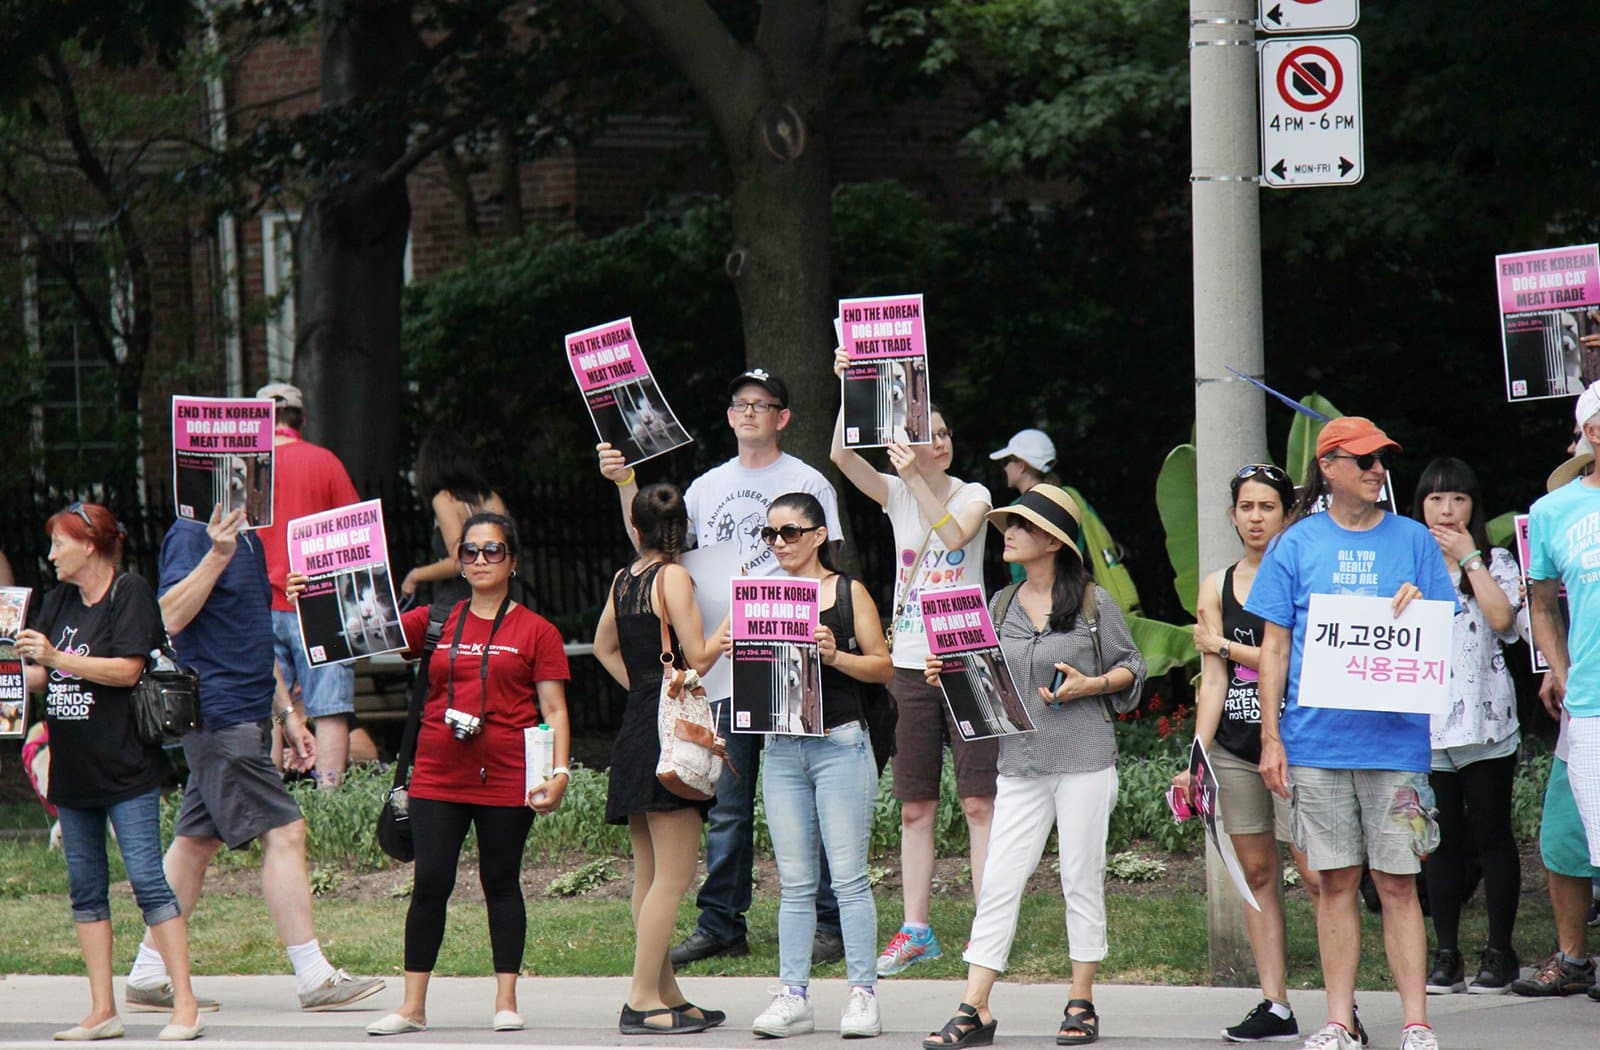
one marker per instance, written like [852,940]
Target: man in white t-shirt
[729,502]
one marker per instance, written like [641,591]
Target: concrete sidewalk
[261,1012]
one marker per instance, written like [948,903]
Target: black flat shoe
[711,1017]
[637,1022]
[964,1029]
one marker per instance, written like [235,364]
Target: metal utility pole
[1230,415]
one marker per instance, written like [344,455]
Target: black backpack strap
[438,613]
[843,600]
[1002,603]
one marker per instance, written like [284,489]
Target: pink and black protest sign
[885,389]
[983,696]
[1549,320]
[222,456]
[626,406]
[348,608]
[777,672]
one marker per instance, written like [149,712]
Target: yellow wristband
[625,482]
[942,520]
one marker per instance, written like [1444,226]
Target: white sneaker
[1418,1037]
[860,1018]
[788,1014]
[1332,1036]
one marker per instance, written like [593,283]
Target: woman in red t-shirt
[499,669]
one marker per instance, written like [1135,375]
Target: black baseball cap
[766,381]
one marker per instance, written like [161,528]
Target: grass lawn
[1157,938]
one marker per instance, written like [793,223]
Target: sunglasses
[790,533]
[76,507]
[1365,462]
[1266,470]
[494,552]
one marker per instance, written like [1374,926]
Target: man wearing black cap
[729,503]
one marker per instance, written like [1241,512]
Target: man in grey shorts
[217,606]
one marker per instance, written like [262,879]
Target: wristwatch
[1222,650]
[281,718]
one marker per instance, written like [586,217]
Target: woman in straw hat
[1075,670]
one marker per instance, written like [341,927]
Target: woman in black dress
[664,829]
[449,479]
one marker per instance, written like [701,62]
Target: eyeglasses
[790,533]
[494,552]
[1365,462]
[1266,470]
[760,408]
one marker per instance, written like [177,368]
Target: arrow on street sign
[1299,16]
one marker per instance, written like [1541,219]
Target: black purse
[394,817]
[166,699]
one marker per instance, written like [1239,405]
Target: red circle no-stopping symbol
[1310,78]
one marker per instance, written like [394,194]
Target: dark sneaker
[1448,974]
[1556,976]
[1594,912]
[701,945]
[1499,969]
[827,946]
[1262,1025]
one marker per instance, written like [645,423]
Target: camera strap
[483,676]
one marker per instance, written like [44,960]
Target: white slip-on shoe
[507,1021]
[110,1028]
[181,1033]
[394,1024]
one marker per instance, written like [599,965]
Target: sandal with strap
[964,1029]
[637,1022]
[712,1018]
[1078,1028]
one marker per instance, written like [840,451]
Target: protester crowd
[1352,792]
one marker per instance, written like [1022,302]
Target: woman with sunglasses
[823,787]
[1359,777]
[448,477]
[1063,775]
[1475,743]
[499,669]
[939,540]
[103,624]
[663,828]
[1228,724]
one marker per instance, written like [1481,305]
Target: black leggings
[1475,809]
[439,829]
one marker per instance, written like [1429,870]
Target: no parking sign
[1311,112]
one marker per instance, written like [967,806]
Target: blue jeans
[83,837]
[327,690]
[820,791]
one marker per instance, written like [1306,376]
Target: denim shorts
[83,838]
[234,791]
[327,690]
[1341,817]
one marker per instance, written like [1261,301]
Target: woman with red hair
[94,632]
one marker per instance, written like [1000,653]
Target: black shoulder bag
[166,698]
[878,709]
[394,819]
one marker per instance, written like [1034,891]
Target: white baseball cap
[1035,448]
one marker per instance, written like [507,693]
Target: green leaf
[1103,554]
[1176,501]
[1502,530]
[1303,434]
[1164,645]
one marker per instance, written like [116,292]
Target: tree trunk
[351,243]
[781,264]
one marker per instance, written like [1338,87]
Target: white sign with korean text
[1360,657]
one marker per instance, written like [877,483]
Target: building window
[277,275]
[77,416]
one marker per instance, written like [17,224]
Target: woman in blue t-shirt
[89,649]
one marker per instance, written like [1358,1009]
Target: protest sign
[983,696]
[777,673]
[712,568]
[348,609]
[885,390]
[624,402]
[1359,656]
[1520,525]
[1203,792]
[1549,300]
[222,454]
[13,692]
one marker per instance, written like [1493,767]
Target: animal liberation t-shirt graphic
[742,513]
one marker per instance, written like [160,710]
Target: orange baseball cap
[1357,435]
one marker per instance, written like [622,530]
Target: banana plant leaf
[1176,502]
[1164,645]
[1502,530]
[1103,555]
[1303,434]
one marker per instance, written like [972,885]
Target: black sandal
[712,1017]
[637,1022]
[964,1029]
[1078,1028]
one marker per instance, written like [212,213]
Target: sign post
[1311,112]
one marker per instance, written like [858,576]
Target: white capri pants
[1025,809]
[1583,773]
